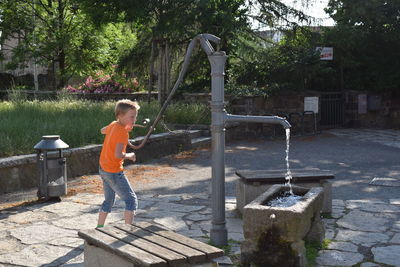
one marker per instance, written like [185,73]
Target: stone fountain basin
[283,225]
[294,221]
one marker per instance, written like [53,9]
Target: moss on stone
[272,251]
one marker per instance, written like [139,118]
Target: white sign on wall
[311,103]
[326,53]
[362,104]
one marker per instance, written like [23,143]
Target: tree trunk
[61,65]
[160,73]
[151,71]
[167,70]
[61,54]
[163,73]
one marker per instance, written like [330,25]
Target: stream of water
[287,199]
[288,175]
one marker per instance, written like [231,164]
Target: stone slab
[343,246]
[173,223]
[395,239]
[387,255]
[385,181]
[41,255]
[369,264]
[361,238]
[338,258]
[40,233]
[355,220]
[373,206]
[29,217]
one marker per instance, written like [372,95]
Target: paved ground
[174,191]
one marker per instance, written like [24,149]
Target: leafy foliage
[57,32]
[176,22]
[291,64]
[366,40]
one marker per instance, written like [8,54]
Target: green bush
[78,122]
[101,83]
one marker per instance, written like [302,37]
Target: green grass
[78,122]
[184,113]
[312,249]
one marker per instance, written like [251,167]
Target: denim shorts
[117,183]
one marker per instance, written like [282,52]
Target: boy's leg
[102,218]
[109,199]
[128,216]
[126,193]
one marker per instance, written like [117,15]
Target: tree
[56,33]
[366,40]
[166,26]
[162,26]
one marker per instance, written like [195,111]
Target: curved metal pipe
[261,119]
[207,47]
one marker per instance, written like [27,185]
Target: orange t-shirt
[115,134]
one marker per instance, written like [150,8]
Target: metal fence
[332,110]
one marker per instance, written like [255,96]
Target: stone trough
[255,182]
[274,236]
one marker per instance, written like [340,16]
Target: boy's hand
[130,156]
[129,127]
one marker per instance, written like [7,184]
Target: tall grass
[188,114]
[78,122]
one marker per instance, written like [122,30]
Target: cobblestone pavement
[363,229]
[382,136]
[362,232]
[45,234]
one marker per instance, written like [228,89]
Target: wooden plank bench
[144,244]
[253,183]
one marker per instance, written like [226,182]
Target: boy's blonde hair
[122,106]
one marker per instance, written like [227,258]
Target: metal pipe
[218,233]
[260,119]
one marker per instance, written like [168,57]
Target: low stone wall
[20,172]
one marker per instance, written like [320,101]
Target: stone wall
[20,172]
[287,105]
[381,110]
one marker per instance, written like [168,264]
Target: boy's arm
[122,155]
[138,125]
[103,130]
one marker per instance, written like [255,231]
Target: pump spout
[261,119]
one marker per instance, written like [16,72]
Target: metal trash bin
[51,166]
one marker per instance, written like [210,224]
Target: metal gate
[332,110]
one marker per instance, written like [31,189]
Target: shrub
[101,83]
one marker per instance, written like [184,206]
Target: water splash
[286,200]
[288,175]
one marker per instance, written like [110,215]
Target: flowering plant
[106,83]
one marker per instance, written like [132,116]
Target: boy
[112,158]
